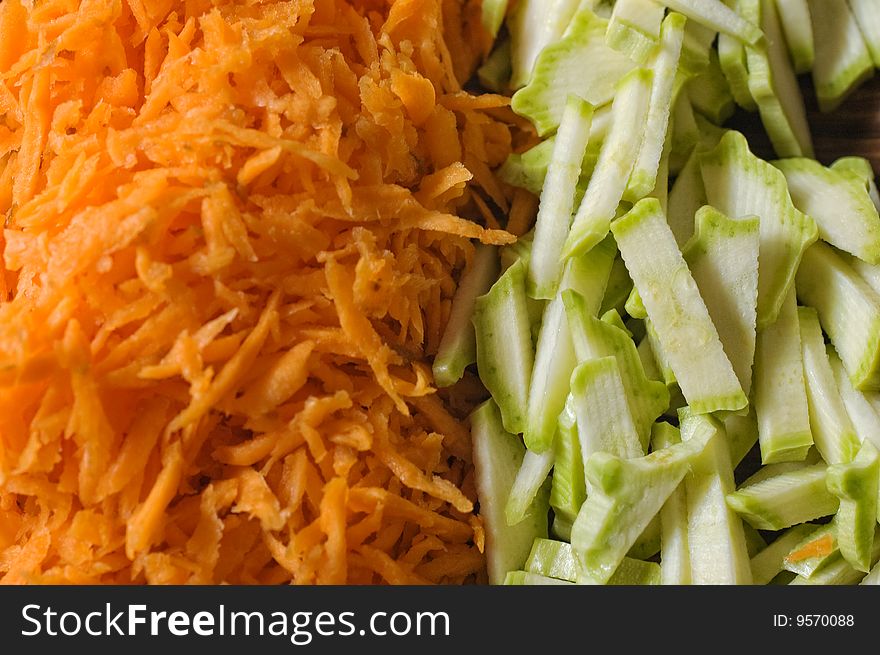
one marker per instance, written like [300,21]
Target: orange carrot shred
[232,234]
[816,548]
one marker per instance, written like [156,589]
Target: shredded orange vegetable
[818,548]
[233,230]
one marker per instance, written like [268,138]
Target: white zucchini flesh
[842,57]
[716,15]
[458,346]
[624,496]
[557,198]
[859,408]
[533,25]
[603,416]
[554,354]
[794,15]
[739,184]
[774,86]
[593,339]
[849,311]
[498,456]
[675,561]
[643,176]
[838,202]
[867,14]
[716,540]
[634,28]
[559,72]
[732,58]
[616,160]
[779,393]
[677,311]
[723,259]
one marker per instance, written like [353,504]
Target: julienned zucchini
[752,332]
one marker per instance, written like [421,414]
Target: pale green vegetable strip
[686,196]
[861,412]
[526,578]
[873,578]
[739,184]
[785,499]
[561,528]
[498,456]
[661,180]
[594,339]
[717,16]
[529,169]
[649,363]
[554,559]
[864,171]
[633,572]
[839,571]
[643,176]
[732,59]
[634,28]
[616,159]
[742,434]
[772,470]
[840,205]
[685,132]
[520,250]
[667,375]
[723,259]
[648,543]
[458,347]
[568,488]
[857,485]
[709,92]
[794,15]
[716,541]
[842,57]
[688,337]
[768,563]
[557,198]
[634,305]
[603,416]
[755,543]
[559,72]
[869,273]
[555,356]
[532,475]
[774,86]
[675,561]
[849,311]
[493,15]
[554,361]
[625,495]
[833,432]
[533,25]
[618,288]
[494,73]
[504,345]
[868,18]
[695,50]
[613,318]
[816,549]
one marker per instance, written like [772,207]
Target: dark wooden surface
[852,129]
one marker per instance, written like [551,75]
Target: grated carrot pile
[232,235]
